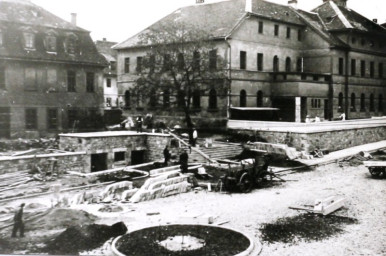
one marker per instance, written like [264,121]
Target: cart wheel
[245,183]
[375,172]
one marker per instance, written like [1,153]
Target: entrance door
[98,162]
[5,124]
[303,111]
[137,157]
[287,108]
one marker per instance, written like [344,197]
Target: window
[372,105]
[288,64]
[353,40]
[166,98]
[127,99]
[113,65]
[196,60]
[90,82]
[71,44]
[243,60]
[315,103]
[275,64]
[52,118]
[153,98]
[315,77]
[181,98]
[363,42]
[108,82]
[353,67]
[340,102]
[2,77]
[29,40]
[341,66]
[380,103]
[119,156]
[363,102]
[127,65]
[288,32]
[260,59]
[243,98]
[72,116]
[30,80]
[380,70]
[212,99]
[31,119]
[300,35]
[196,98]
[299,65]
[108,102]
[180,61]
[139,64]
[261,27]
[363,68]
[259,99]
[372,69]
[276,30]
[71,81]
[50,43]
[166,63]
[213,60]
[352,105]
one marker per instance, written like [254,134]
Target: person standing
[18,222]
[184,161]
[166,155]
[139,123]
[195,135]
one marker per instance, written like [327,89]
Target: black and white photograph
[193,127]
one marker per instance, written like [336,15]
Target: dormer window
[29,40]
[50,42]
[71,44]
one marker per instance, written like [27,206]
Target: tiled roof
[339,18]
[218,19]
[17,16]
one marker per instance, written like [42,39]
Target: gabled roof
[26,12]
[342,18]
[219,19]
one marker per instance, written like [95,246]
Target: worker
[195,135]
[166,155]
[18,222]
[342,116]
[139,123]
[308,119]
[317,119]
[184,161]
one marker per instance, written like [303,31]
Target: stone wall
[65,162]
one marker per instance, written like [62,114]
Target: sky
[118,20]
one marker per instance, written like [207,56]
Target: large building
[50,72]
[320,63]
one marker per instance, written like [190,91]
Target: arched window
[197,99]
[166,98]
[363,102]
[299,65]
[259,100]
[380,103]
[353,109]
[127,99]
[212,99]
[275,64]
[181,98]
[340,102]
[288,64]
[372,106]
[243,98]
[153,98]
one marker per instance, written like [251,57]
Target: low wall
[65,162]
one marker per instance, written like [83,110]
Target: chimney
[342,3]
[375,21]
[248,5]
[104,39]
[200,1]
[293,3]
[73,19]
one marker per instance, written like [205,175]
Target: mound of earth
[61,218]
[80,238]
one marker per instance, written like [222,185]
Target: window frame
[90,82]
[243,60]
[260,61]
[52,118]
[126,65]
[71,81]
[261,27]
[276,30]
[288,33]
[31,119]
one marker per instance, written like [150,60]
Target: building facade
[50,72]
[321,63]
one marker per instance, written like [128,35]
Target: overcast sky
[118,20]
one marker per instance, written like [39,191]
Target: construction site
[114,193]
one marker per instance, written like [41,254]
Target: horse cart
[377,169]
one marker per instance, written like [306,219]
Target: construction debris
[323,206]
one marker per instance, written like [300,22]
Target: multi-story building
[320,63]
[110,89]
[50,72]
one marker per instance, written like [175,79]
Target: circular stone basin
[183,240]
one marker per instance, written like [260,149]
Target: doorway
[137,157]
[98,162]
[326,110]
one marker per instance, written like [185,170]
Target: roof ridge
[341,16]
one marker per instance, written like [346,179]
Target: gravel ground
[365,202]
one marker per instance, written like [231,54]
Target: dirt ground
[365,202]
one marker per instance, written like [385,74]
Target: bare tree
[181,60]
